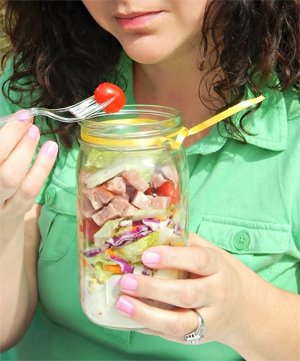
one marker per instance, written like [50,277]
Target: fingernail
[33,132]
[24,116]
[150,258]
[125,306]
[128,283]
[49,149]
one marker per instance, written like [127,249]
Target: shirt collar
[267,127]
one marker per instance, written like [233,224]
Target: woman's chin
[146,54]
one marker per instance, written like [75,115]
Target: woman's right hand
[19,185]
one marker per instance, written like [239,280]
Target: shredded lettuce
[101,275]
[168,237]
[132,252]
[105,233]
[143,164]
[150,213]
[103,258]
[98,159]
[118,166]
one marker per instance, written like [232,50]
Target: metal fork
[74,113]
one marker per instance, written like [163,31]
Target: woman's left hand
[218,287]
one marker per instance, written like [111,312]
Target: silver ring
[196,336]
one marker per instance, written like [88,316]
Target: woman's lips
[137,20]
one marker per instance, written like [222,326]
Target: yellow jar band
[135,142]
[174,139]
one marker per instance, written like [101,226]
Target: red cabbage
[125,266]
[129,236]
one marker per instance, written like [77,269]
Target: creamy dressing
[98,301]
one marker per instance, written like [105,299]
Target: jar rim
[166,112]
[132,122]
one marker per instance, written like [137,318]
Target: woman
[200,57]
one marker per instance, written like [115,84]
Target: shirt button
[50,196]
[241,240]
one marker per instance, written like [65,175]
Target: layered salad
[127,202]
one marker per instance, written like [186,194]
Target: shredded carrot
[85,264]
[110,252]
[160,218]
[112,268]
[181,244]
[134,228]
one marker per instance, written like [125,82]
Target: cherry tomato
[168,189]
[89,228]
[106,91]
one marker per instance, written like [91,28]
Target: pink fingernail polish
[150,258]
[49,149]
[24,116]
[128,283]
[33,132]
[125,306]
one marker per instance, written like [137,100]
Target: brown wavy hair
[61,54]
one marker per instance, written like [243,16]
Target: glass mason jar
[132,195]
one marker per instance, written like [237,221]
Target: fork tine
[83,110]
[86,111]
[80,106]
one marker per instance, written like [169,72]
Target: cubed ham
[116,185]
[141,201]
[135,180]
[86,207]
[83,177]
[157,180]
[170,173]
[96,201]
[93,198]
[89,193]
[104,195]
[130,191]
[120,203]
[129,211]
[106,214]
[160,202]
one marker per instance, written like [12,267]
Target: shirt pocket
[259,245]
[57,222]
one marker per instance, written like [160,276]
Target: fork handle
[12,118]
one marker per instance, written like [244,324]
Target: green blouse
[243,197]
